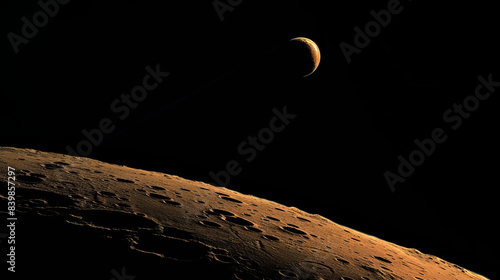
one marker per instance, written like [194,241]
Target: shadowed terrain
[80,218]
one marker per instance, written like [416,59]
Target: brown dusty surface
[83,218]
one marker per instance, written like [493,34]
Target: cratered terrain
[79,218]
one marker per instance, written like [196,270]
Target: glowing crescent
[314,51]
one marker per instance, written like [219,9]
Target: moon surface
[80,218]
[314,56]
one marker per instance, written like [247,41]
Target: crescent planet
[314,53]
